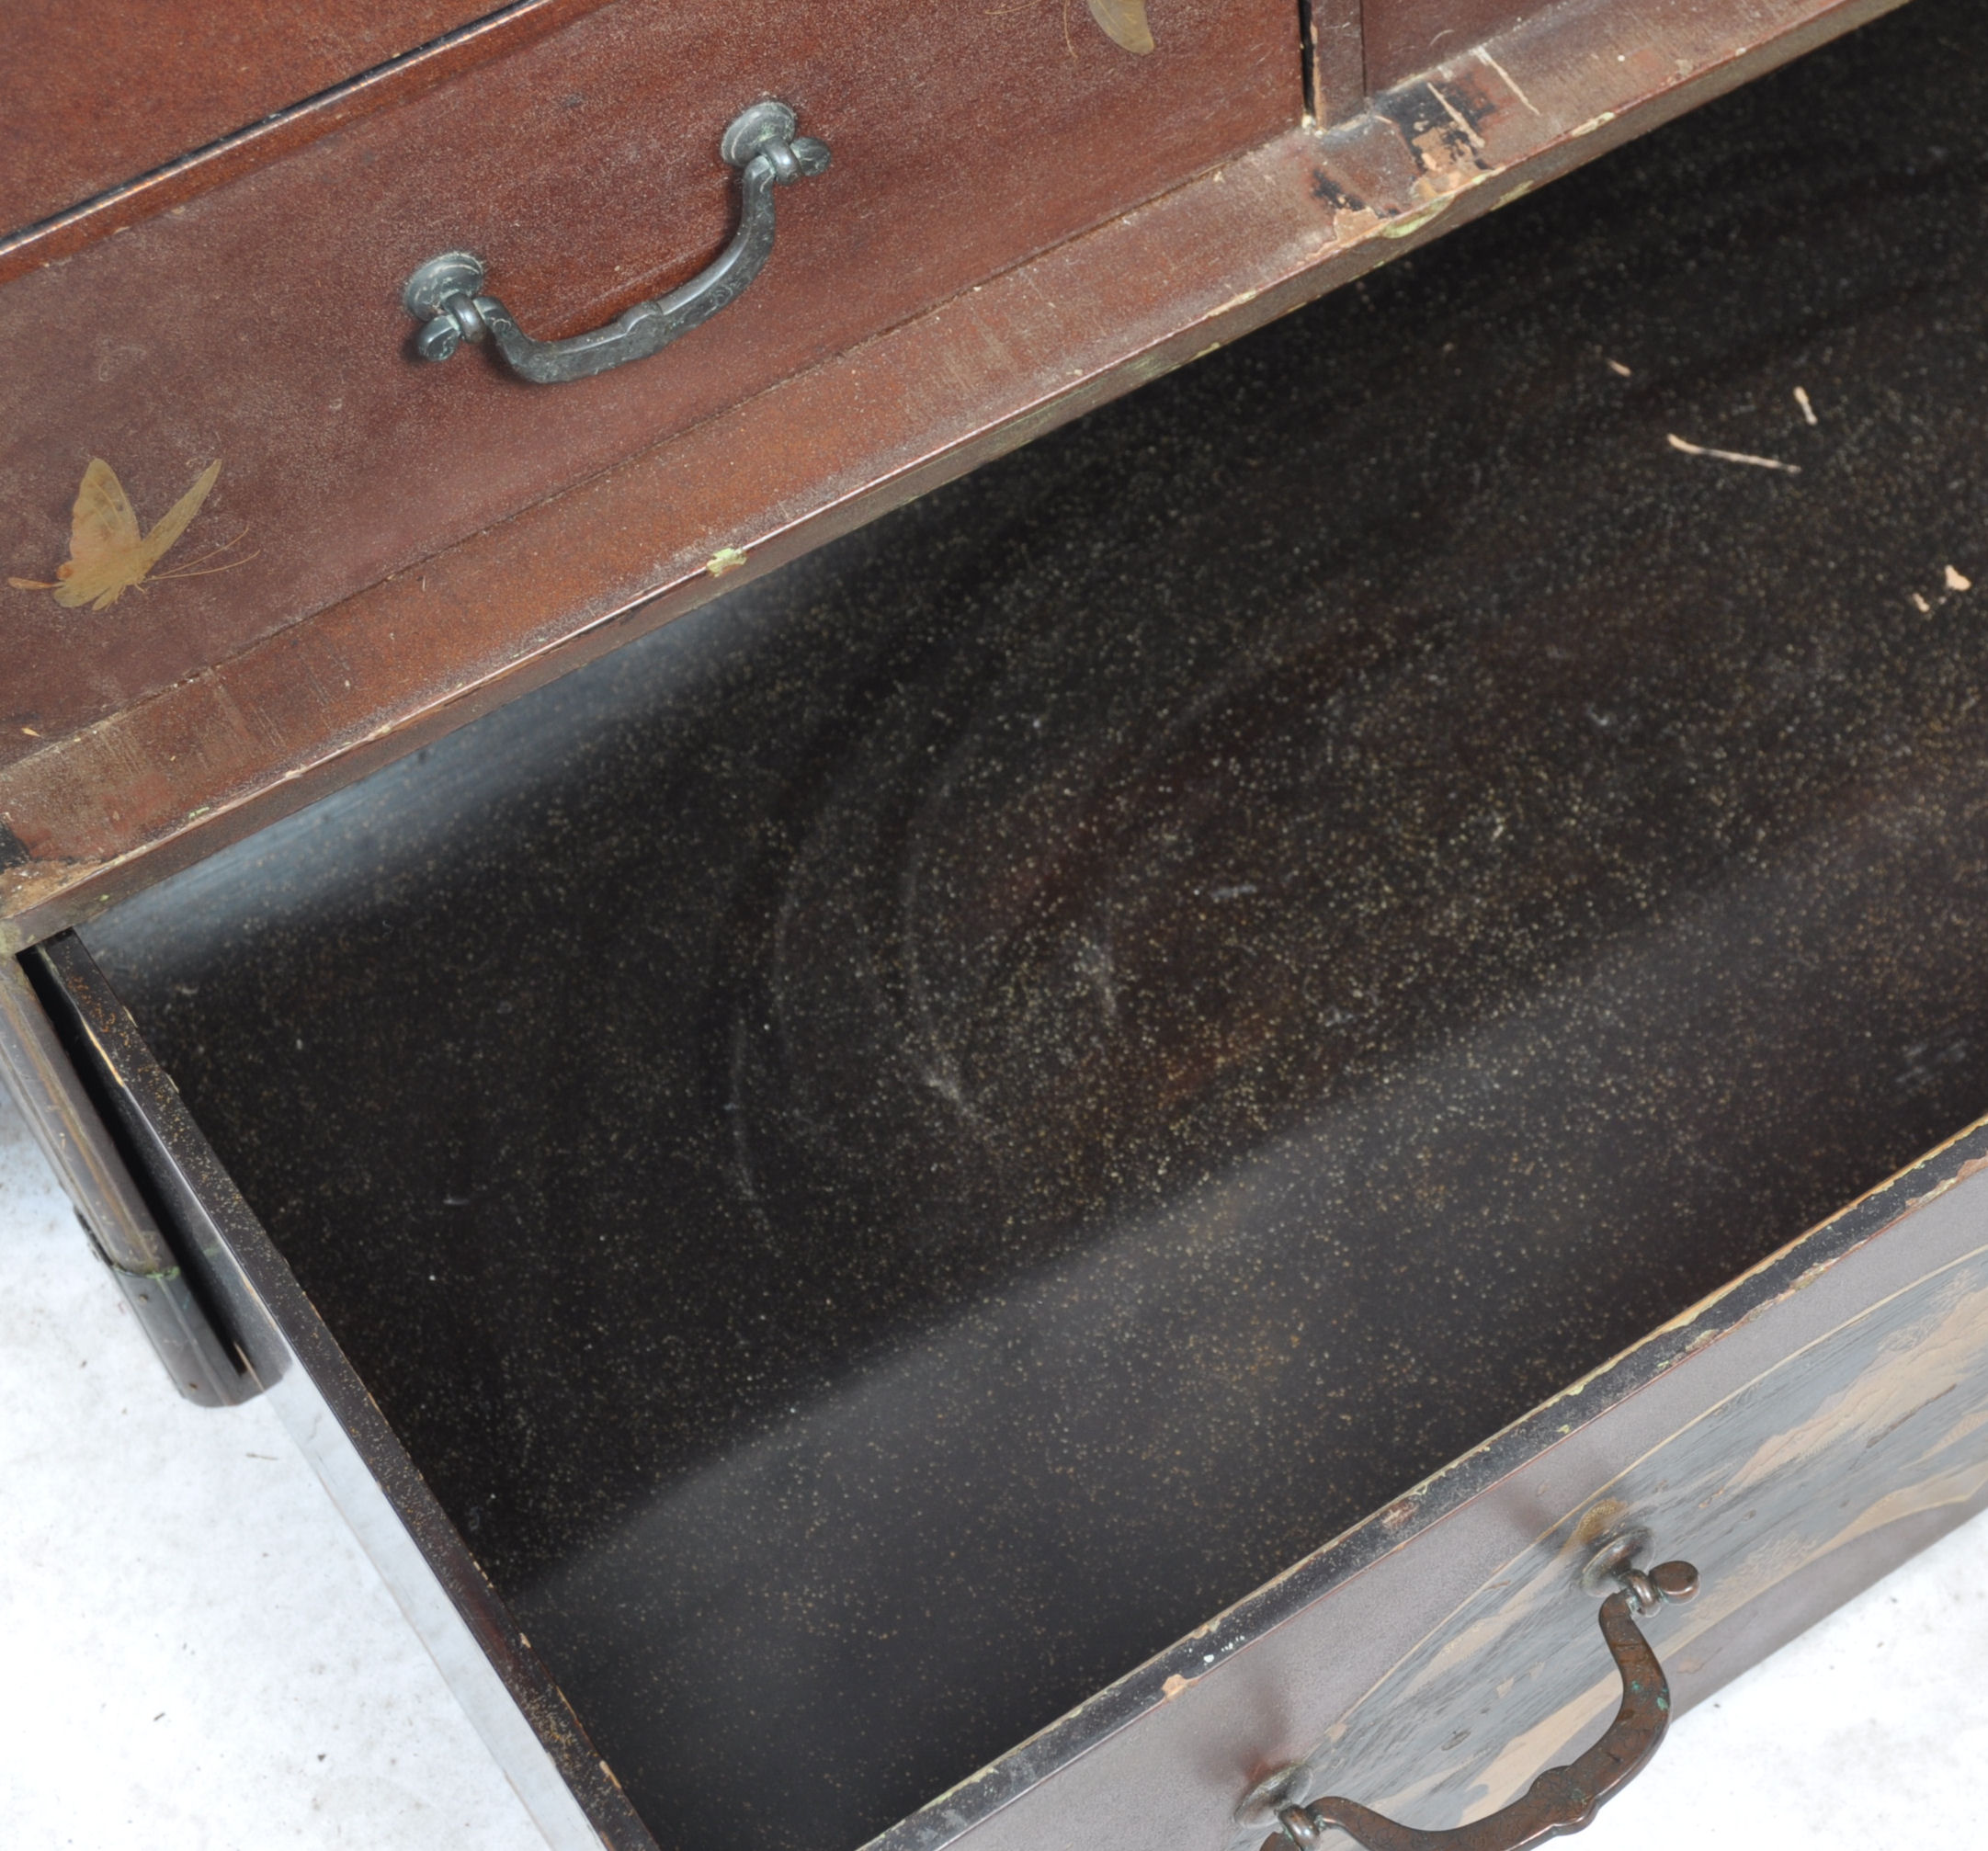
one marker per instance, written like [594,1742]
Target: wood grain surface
[261,325]
[434,541]
[1336,48]
[1795,1436]
[92,92]
[1407,36]
[204,166]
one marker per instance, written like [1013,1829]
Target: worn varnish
[948,1118]
[144,748]
[1402,37]
[1879,1423]
[1336,59]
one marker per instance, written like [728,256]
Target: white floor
[194,1656]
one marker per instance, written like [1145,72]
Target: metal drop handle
[446,291]
[1562,1799]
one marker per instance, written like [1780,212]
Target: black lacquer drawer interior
[897,1144]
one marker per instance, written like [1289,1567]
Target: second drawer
[261,325]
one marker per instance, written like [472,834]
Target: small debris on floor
[1958,580]
[1619,370]
[1808,409]
[1691,450]
[1925,609]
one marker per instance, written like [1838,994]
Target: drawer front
[1810,1480]
[1794,1439]
[96,92]
[261,324]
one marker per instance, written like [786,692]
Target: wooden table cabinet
[1073,1168]
[1024,217]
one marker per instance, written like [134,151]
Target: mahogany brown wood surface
[146,745]
[214,162]
[261,324]
[92,92]
[1407,36]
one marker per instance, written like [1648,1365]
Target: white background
[195,1657]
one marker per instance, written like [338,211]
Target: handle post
[1562,1799]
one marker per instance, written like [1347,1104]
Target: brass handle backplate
[1562,1799]
[446,292]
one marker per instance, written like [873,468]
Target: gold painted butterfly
[106,557]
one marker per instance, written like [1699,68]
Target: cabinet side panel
[514,1704]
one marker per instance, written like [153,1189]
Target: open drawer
[1131,1112]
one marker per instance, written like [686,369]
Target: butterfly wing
[109,580]
[101,525]
[99,582]
[106,555]
[173,523]
[100,585]
[102,541]
[1124,23]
